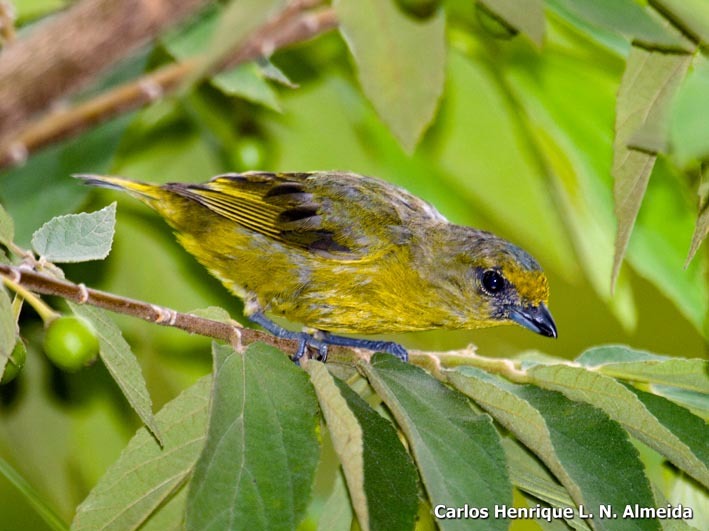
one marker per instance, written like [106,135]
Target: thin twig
[65,123]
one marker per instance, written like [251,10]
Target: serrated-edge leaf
[380,475]
[400,63]
[530,476]
[8,329]
[259,460]
[145,475]
[77,237]
[623,406]
[649,82]
[7,227]
[529,413]
[526,16]
[121,363]
[438,440]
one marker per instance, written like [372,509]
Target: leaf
[689,127]
[77,237]
[530,476]
[588,452]
[7,227]
[337,514]
[272,72]
[625,17]
[215,313]
[526,16]
[689,428]
[380,476]
[246,81]
[649,82]
[235,23]
[147,475]
[697,403]
[121,363]
[701,229]
[691,15]
[441,427]
[8,329]
[400,62]
[625,363]
[624,407]
[262,449]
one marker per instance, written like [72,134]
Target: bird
[345,254]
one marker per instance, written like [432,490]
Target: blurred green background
[521,146]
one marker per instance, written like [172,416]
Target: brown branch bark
[62,55]
[232,333]
[60,124]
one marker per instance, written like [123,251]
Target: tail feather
[140,190]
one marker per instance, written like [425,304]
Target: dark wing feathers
[311,211]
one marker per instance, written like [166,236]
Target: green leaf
[689,428]
[691,15]
[401,63]
[625,363]
[272,72]
[121,363]
[646,90]
[526,16]
[530,476]
[7,227]
[337,514]
[380,476]
[697,403]
[441,427]
[262,449]
[625,17]
[701,229]
[77,237]
[246,81]
[147,475]
[689,128]
[588,452]
[8,329]
[624,407]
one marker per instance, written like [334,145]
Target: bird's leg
[370,344]
[305,339]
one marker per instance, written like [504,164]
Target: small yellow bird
[346,254]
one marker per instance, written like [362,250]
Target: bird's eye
[493,282]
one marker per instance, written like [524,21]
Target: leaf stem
[42,308]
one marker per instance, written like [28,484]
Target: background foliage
[553,124]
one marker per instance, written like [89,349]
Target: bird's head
[508,284]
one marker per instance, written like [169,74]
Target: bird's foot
[321,341]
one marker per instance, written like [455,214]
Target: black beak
[536,318]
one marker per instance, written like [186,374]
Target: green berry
[251,153]
[70,342]
[15,362]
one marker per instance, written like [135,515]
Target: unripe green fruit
[251,153]
[70,342]
[15,362]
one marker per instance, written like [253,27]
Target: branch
[232,333]
[64,54]
[292,26]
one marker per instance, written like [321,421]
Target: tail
[146,192]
